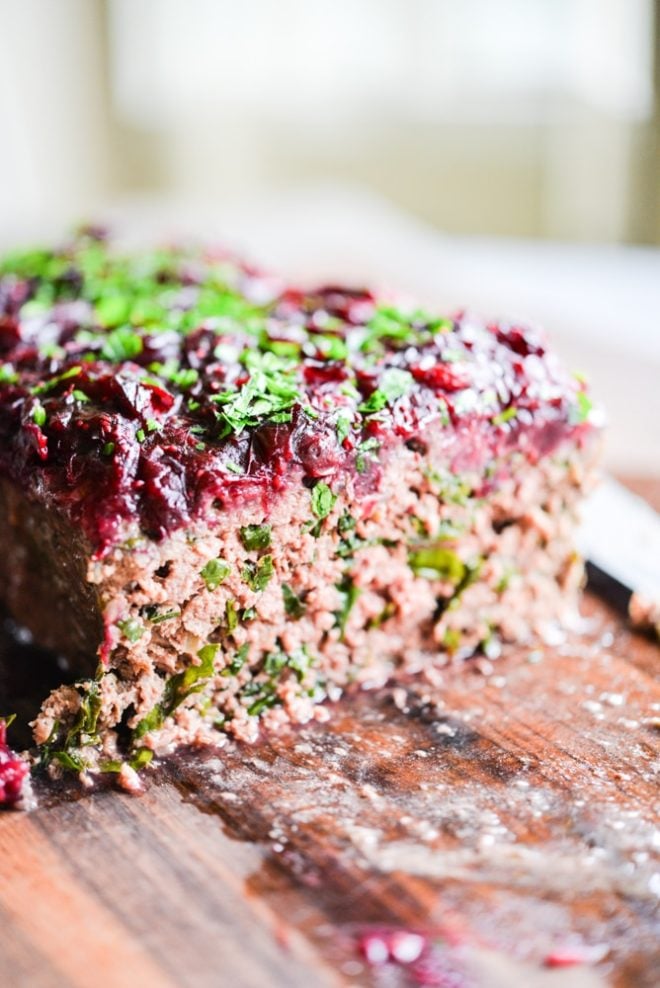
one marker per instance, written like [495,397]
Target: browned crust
[43,578]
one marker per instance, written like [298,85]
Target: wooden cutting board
[509,814]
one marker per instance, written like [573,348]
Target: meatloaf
[224,499]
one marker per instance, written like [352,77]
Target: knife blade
[620,538]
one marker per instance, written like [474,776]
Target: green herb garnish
[238,661]
[53,382]
[141,758]
[323,500]
[177,689]
[293,605]
[113,310]
[394,383]
[437,563]
[7,374]
[349,594]
[505,415]
[131,629]
[182,377]
[343,427]
[121,344]
[214,573]
[580,412]
[269,393]
[156,616]
[365,454]
[231,616]
[257,575]
[39,415]
[451,640]
[255,536]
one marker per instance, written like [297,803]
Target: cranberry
[124,442]
[13,771]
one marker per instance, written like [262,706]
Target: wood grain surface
[507,811]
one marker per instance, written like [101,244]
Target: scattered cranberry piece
[13,771]
[574,954]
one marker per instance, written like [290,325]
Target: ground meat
[225,500]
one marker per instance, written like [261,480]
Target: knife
[620,538]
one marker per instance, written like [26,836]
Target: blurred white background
[515,117]
[503,154]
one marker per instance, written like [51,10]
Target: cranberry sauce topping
[151,387]
[13,771]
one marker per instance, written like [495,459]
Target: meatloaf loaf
[224,499]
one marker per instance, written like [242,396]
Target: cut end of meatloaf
[225,499]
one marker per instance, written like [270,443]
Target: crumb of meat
[129,780]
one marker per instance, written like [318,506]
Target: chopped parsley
[39,415]
[52,383]
[257,575]
[255,536]
[365,454]
[388,611]
[83,732]
[449,487]
[7,374]
[157,616]
[121,344]
[451,640]
[214,573]
[131,629]
[331,347]
[177,689]
[394,383]
[267,699]
[141,758]
[270,392]
[231,616]
[263,694]
[343,427]
[182,377]
[505,415]
[443,411]
[580,412]
[437,563]
[350,542]
[323,500]
[388,323]
[238,661]
[346,523]
[113,310]
[293,605]
[349,595]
